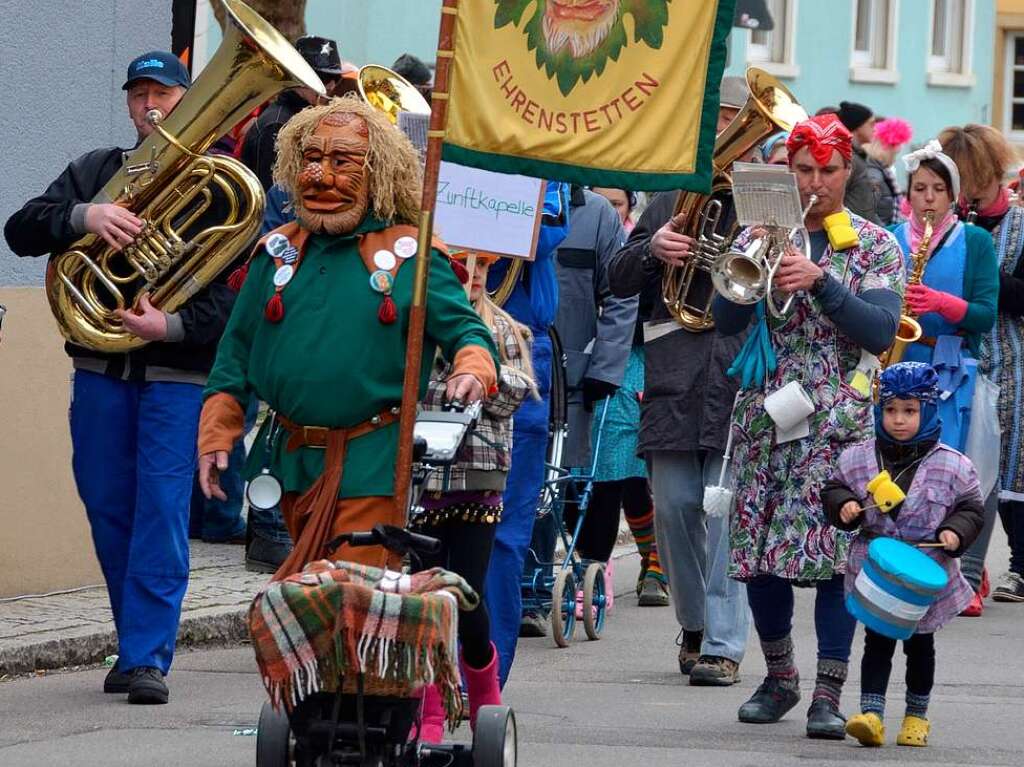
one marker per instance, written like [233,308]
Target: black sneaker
[824,721]
[116,681]
[264,556]
[769,703]
[147,686]
[1010,589]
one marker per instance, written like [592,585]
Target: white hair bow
[933,151]
[929,151]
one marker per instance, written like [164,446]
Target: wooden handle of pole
[417,313]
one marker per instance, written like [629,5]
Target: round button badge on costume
[384,259]
[381,281]
[283,275]
[290,255]
[276,244]
[405,247]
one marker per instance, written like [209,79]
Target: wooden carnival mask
[333,188]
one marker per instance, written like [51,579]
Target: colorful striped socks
[642,528]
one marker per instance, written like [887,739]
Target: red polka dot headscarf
[821,135]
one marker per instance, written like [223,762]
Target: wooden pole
[418,311]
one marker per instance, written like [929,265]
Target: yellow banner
[604,92]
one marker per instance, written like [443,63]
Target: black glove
[595,390]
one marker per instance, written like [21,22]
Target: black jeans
[1012,515]
[876,665]
[466,550]
[601,525]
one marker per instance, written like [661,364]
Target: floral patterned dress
[778,525]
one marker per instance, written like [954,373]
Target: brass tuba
[389,92]
[770,108]
[171,184]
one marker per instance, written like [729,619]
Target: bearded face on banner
[575,39]
[579,25]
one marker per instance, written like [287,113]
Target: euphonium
[909,329]
[171,184]
[770,108]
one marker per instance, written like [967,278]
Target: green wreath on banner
[581,50]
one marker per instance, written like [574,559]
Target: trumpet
[746,276]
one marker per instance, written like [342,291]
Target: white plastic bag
[983,438]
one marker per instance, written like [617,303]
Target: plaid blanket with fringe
[337,620]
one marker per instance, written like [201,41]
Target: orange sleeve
[477,361]
[221,424]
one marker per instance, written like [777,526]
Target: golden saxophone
[909,329]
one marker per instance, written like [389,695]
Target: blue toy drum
[895,588]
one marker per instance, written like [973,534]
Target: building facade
[1008,74]
[929,62]
[62,98]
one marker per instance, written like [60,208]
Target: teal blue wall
[823,41]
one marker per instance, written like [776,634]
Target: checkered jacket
[488,448]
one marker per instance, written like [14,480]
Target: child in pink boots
[462,504]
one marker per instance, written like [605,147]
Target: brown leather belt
[313,511]
[317,436]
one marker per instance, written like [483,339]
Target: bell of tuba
[175,188]
[770,108]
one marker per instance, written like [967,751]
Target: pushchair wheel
[273,738]
[594,600]
[494,739]
[563,608]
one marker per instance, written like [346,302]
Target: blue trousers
[771,603]
[512,538]
[134,460]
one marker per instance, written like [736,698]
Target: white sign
[481,210]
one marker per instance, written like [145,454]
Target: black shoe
[824,721]
[147,686]
[116,681]
[1010,589]
[769,703]
[533,625]
[263,556]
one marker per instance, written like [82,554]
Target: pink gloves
[921,299]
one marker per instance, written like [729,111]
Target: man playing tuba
[683,424]
[134,416]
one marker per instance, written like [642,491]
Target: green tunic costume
[330,361]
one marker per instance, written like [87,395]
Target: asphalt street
[618,701]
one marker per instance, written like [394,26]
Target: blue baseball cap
[161,66]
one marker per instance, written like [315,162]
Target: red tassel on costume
[237,278]
[461,272]
[388,312]
[274,310]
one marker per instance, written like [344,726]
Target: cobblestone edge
[202,627]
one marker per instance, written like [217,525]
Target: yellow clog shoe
[867,729]
[914,731]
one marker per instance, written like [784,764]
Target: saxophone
[909,329]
